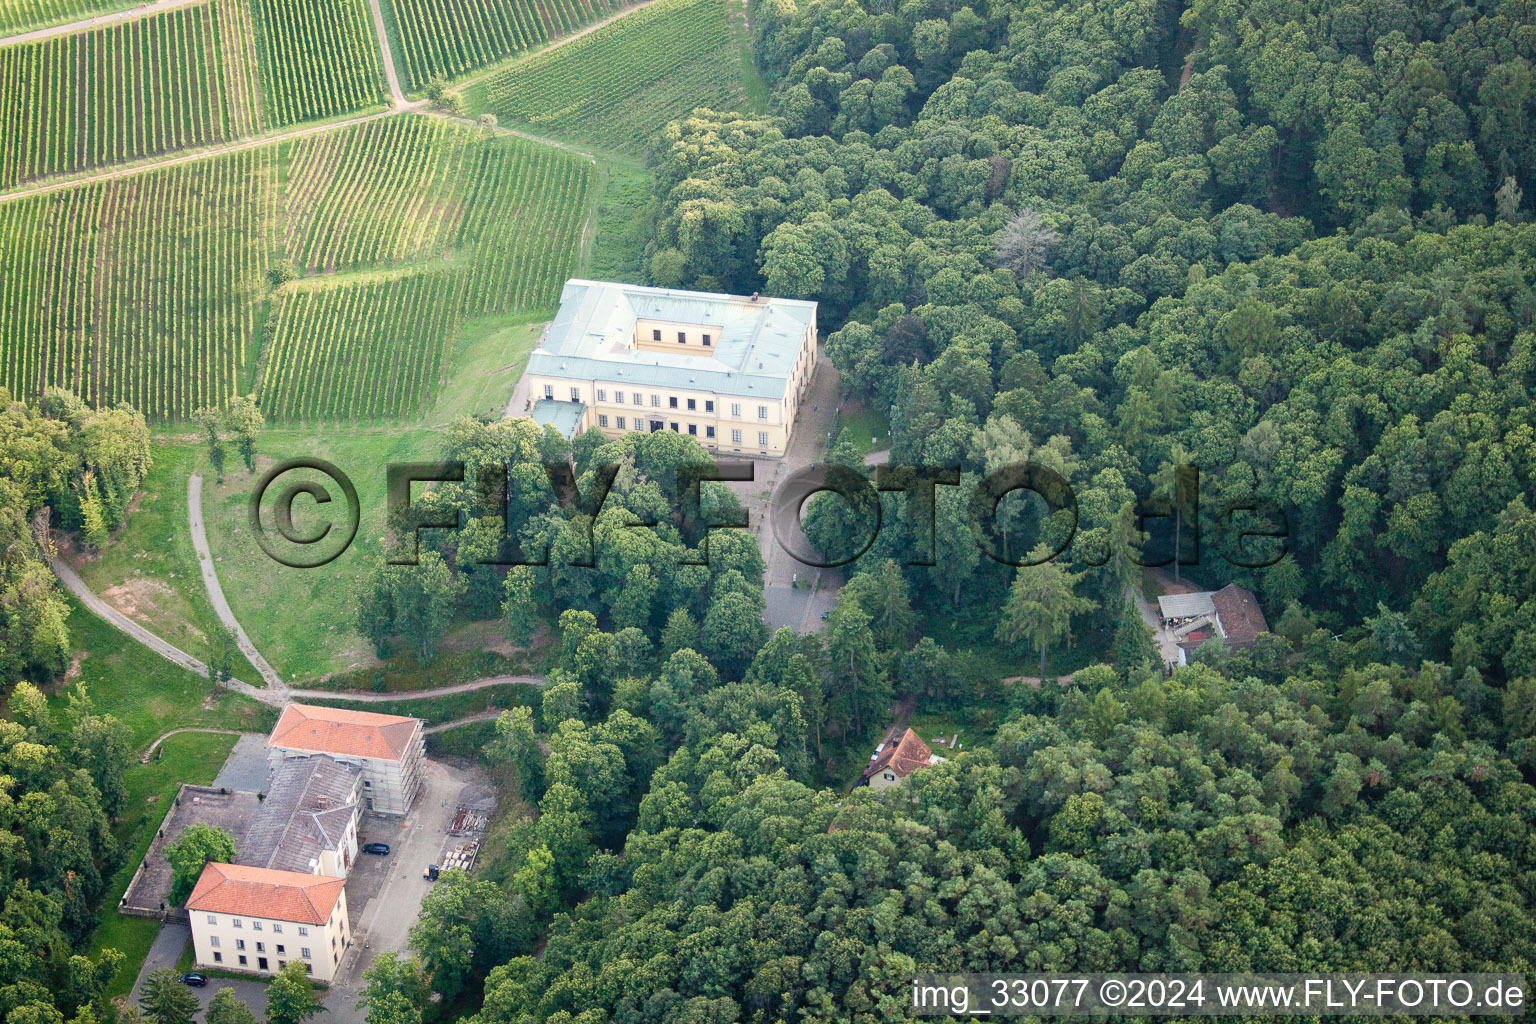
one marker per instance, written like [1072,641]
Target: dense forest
[1285,243]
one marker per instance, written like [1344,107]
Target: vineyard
[140,289]
[451,38]
[148,288]
[380,192]
[619,85]
[25,15]
[134,89]
[318,59]
[358,351]
[502,217]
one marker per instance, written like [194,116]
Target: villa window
[602,421]
[706,341]
[549,391]
[239,943]
[277,927]
[618,397]
[620,423]
[242,960]
[709,405]
[709,431]
[693,428]
[692,404]
[635,397]
[255,926]
[736,409]
[218,958]
[575,394]
[279,949]
[602,395]
[305,952]
[762,438]
[261,947]
[213,940]
[762,412]
[213,918]
[672,402]
[236,922]
[303,930]
[735,437]
[656,334]
[682,337]
[656,401]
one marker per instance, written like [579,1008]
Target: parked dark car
[379,848]
[194,979]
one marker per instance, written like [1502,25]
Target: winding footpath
[215,591]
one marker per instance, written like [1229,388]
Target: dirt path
[161,647]
[191,155]
[441,691]
[99,21]
[275,696]
[388,54]
[488,715]
[215,591]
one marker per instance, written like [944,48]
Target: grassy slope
[150,565]
[148,693]
[300,618]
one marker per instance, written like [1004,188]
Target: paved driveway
[799,607]
[167,949]
[392,886]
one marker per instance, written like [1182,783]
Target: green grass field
[149,694]
[149,571]
[275,604]
[618,86]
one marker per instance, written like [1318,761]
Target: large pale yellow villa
[727,369]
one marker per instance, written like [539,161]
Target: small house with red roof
[895,760]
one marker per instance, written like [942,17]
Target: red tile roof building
[898,759]
[259,919]
[388,748]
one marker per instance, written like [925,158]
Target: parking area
[167,949]
[384,894]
